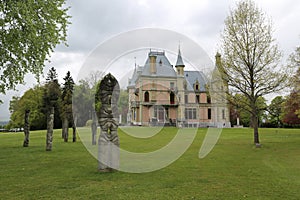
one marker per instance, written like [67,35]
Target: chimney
[152,64]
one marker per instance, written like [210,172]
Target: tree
[31,100]
[292,106]
[241,109]
[83,100]
[29,32]
[123,104]
[52,94]
[66,107]
[251,57]
[275,110]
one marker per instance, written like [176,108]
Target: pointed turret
[179,64]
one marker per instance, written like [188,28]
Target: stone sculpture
[106,104]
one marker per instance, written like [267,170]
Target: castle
[161,95]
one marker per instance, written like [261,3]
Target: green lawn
[234,169]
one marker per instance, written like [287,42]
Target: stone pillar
[26,128]
[49,136]
[94,128]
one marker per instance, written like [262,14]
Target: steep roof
[179,61]
[192,77]
[137,71]
[163,66]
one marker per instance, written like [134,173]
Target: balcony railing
[154,102]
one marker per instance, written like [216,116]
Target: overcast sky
[95,21]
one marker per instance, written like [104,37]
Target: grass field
[234,169]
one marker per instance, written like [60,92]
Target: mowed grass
[234,169]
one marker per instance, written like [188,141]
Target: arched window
[146,96]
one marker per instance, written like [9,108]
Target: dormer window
[160,63]
[197,86]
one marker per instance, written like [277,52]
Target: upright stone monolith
[106,104]
[26,128]
[49,136]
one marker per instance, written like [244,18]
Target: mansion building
[160,94]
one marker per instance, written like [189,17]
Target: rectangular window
[209,113]
[197,98]
[172,85]
[208,99]
[186,99]
[190,113]
[223,114]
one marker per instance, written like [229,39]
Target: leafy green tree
[66,107]
[83,103]
[123,105]
[251,57]
[31,100]
[29,32]
[275,110]
[241,109]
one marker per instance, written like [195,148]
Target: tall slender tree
[66,107]
[251,57]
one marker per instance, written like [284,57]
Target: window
[159,113]
[186,98]
[209,113]
[190,113]
[197,87]
[208,99]
[223,114]
[197,98]
[146,96]
[172,85]
[172,98]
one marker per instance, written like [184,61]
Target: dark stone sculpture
[26,128]
[106,104]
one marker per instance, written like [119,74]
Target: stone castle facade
[160,94]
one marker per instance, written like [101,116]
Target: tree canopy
[251,57]
[29,32]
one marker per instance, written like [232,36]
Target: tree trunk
[65,129]
[26,128]
[255,129]
[49,136]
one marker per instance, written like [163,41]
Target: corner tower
[179,64]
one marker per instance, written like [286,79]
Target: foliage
[241,109]
[233,170]
[275,110]
[251,57]
[67,93]
[123,104]
[51,97]
[83,102]
[32,99]
[30,30]
[291,106]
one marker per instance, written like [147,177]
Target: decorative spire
[179,58]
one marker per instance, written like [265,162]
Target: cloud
[95,21]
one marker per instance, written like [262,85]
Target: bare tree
[251,57]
